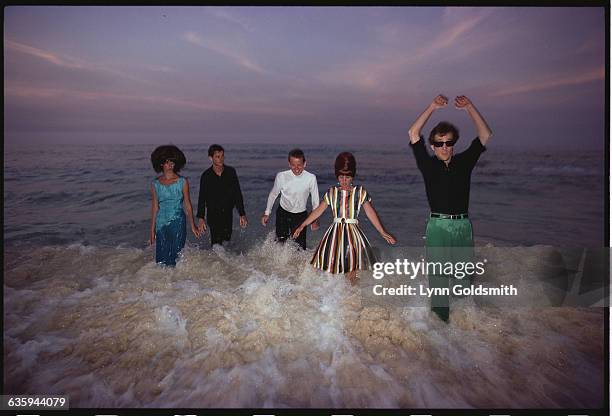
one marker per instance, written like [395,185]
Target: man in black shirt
[219,194]
[447,184]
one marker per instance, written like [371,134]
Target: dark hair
[168,152]
[215,148]
[442,128]
[296,153]
[345,164]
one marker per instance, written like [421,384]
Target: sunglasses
[449,143]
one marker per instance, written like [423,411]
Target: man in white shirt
[294,186]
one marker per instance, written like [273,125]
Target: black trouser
[220,227]
[286,222]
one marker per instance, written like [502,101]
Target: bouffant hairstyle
[345,164]
[215,148]
[298,154]
[168,152]
[443,128]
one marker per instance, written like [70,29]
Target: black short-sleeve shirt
[448,187]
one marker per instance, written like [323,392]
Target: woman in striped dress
[344,248]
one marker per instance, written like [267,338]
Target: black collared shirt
[448,187]
[219,194]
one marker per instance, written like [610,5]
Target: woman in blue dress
[170,203]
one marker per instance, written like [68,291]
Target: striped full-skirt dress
[344,247]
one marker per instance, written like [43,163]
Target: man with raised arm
[447,184]
[294,186]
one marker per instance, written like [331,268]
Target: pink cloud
[55,59]
[65,61]
[178,103]
[554,82]
[228,51]
[376,67]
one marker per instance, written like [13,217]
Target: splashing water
[263,328]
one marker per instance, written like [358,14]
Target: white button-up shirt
[294,191]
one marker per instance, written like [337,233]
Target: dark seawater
[88,313]
[100,194]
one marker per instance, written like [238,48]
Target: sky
[301,74]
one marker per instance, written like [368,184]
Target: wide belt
[346,221]
[448,216]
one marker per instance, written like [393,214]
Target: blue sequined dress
[170,232]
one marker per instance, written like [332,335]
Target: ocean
[89,314]
[100,194]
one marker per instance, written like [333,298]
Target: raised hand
[439,102]
[462,102]
[414,132]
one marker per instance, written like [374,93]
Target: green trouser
[448,240]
